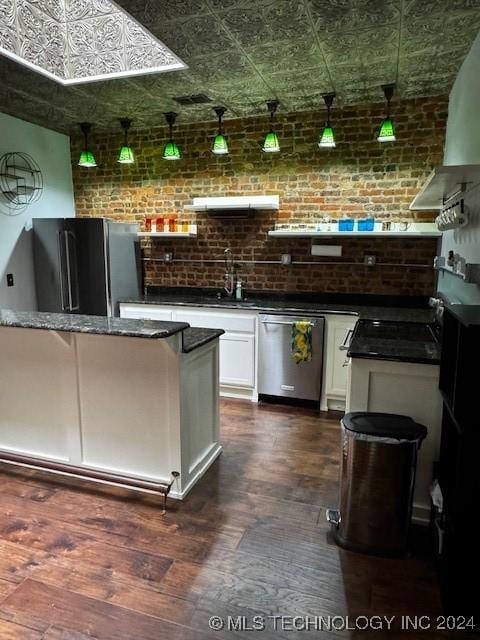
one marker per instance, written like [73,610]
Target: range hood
[234,206]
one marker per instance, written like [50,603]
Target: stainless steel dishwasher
[278,373]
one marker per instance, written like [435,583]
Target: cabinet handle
[346,342]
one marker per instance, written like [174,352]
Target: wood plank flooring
[80,562]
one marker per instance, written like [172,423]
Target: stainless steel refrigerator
[85,265]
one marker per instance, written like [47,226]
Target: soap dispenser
[239,291]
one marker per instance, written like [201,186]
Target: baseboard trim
[208,461]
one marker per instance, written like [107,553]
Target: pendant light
[220,145]
[171,150]
[387,130]
[126,155]
[87,159]
[327,139]
[271,144]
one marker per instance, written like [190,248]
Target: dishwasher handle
[345,346]
[310,324]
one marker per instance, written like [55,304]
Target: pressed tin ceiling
[73,41]
[244,52]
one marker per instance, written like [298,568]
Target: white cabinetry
[238,350]
[409,389]
[239,347]
[338,330]
[237,360]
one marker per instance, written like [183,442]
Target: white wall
[51,151]
[462,146]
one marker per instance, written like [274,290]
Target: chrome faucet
[229,276]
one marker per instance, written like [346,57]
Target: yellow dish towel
[302,341]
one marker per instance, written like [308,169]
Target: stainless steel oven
[278,373]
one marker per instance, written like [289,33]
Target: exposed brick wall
[360,176]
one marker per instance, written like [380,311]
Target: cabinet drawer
[237,360]
[242,323]
[145,312]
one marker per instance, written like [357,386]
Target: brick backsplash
[361,176]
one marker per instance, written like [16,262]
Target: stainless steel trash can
[377,477]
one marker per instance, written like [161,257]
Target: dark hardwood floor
[82,562]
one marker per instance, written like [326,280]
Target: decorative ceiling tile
[244,52]
[107,62]
[81,38]
[52,8]
[310,82]
[81,9]
[135,35]
[83,65]
[7,13]
[192,37]
[278,56]
[109,32]
[69,29]
[340,17]
[139,57]
[276,20]
[8,37]
[221,67]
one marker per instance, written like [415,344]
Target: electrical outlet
[370,260]
[10,281]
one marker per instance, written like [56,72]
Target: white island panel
[38,395]
[128,410]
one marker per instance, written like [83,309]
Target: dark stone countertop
[365,307]
[196,337]
[100,325]
[395,341]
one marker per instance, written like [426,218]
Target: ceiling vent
[199,98]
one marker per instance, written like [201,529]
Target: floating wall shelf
[430,233]
[192,233]
[442,183]
[468,271]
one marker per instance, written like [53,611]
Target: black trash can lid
[384,425]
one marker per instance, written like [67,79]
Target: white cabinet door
[237,345]
[144,311]
[237,360]
[336,371]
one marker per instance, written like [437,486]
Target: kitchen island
[126,402]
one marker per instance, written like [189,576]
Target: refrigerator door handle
[62,273]
[72,276]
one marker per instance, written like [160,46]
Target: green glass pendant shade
[271,144]
[171,151]
[387,131]
[126,155]
[220,145]
[87,159]
[327,139]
